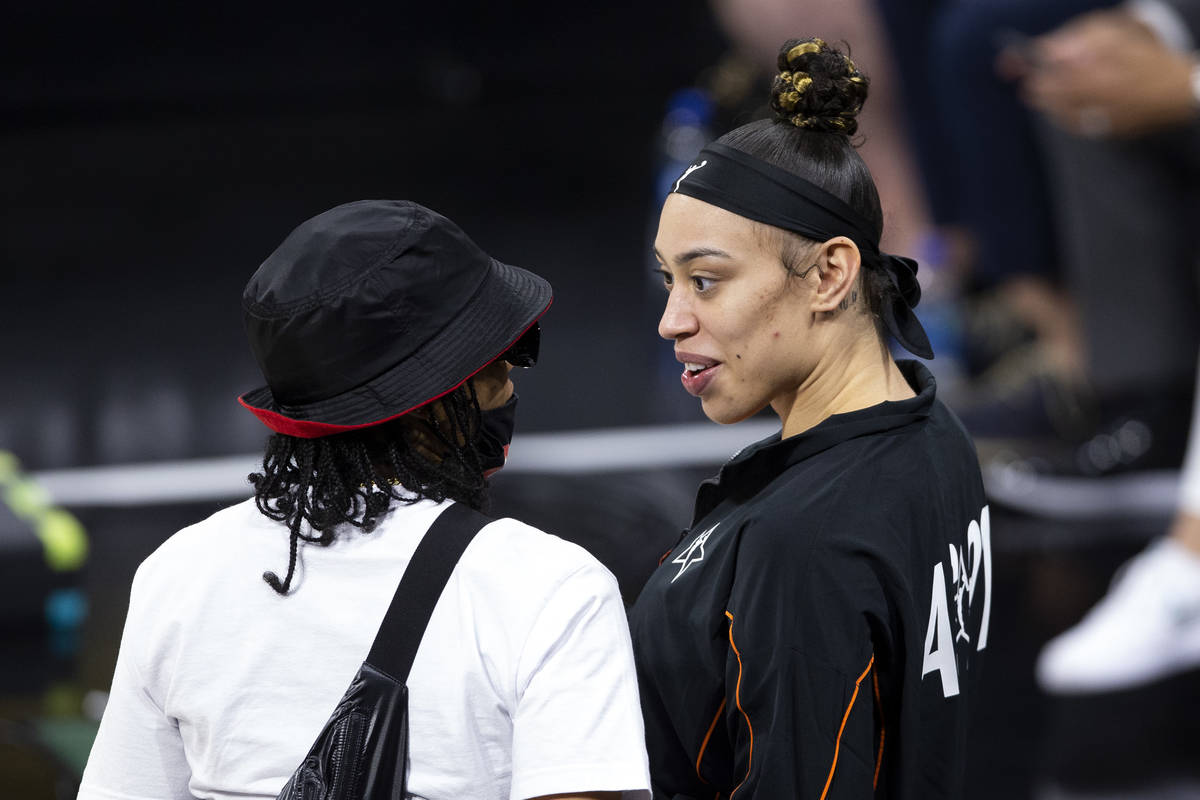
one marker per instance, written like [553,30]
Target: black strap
[407,617]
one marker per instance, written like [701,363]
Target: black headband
[752,188]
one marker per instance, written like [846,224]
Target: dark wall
[151,159]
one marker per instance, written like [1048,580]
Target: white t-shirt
[523,685]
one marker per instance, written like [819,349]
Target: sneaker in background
[1145,628]
[1129,465]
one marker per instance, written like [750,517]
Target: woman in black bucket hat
[386,337]
[369,323]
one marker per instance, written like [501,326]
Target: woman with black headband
[386,337]
[817,632]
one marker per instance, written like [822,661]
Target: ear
[839,262]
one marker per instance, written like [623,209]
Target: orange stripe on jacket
[882,730]
[838,744]
[737,697]
[703,745]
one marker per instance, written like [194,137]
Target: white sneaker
[1145,628]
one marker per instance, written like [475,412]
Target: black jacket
[817,632]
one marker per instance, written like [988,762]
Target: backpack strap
[404,625]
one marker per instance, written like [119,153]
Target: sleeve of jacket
[801,699]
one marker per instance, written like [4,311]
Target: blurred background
[1040,159]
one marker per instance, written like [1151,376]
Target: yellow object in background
[62,535]
[64,538]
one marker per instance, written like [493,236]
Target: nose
[678,319]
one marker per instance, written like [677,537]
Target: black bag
[362,750]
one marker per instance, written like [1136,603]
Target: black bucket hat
[373,309]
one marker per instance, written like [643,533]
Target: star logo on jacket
[693,554]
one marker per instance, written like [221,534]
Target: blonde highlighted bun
[818,88]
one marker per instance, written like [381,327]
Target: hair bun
[818,88]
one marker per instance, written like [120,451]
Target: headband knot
[898,315]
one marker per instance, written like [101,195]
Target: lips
[698,372]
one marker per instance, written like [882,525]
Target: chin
[727,413]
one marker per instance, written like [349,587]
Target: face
[741,326]
[492,390]
[492,385]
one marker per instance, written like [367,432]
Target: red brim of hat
[511,301]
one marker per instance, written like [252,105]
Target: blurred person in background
[1124,156]
[1148,625]
[809,635]
[994,233]
[1122,89]
[386,337]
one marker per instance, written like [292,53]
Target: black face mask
[495,433]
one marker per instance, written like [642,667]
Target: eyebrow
[694,253]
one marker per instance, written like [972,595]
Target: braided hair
[352,478]
[816,98]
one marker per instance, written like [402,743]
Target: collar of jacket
[756,465]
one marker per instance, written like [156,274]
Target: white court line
[1154,493]
[606,450]
[575,452]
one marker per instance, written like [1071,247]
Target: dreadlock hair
[352,478]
